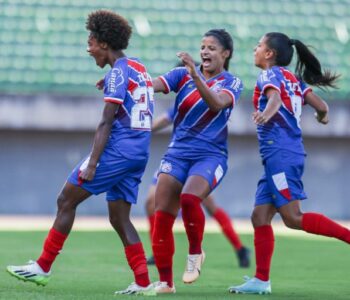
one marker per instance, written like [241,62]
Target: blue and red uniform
[199,140]
[124,158]
[280,139]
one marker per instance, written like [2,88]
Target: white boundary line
[101,223]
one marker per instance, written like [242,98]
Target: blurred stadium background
[49,107]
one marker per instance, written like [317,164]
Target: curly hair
[109,27]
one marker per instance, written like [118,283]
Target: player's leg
[150,211]
[312,222]
[227,228]
[167,206]
[119,216]
[264,246]
[195,189]
[39,271]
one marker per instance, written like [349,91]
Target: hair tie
[291,42]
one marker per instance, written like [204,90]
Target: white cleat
[30,272]
[162,287]
[193,267]
[252,286]
[135,289]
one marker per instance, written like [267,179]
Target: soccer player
[209,204]
[278,99]
[196,159]
[118,157]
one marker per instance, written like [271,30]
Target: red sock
[194,221]
[52,247]
[151,225]
[227,228]
[264,243]
[137,261]
[319,224]
[163,245]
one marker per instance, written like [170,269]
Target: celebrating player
[118,157]
[278,99]
[209,204]
[195,161]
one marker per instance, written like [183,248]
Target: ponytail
[309,68]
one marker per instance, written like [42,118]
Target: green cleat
[31,272]
[252,286]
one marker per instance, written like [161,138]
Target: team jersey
[283,129]
[129,85]
[197,129]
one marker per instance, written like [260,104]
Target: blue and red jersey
[196,127]
[129,85]
[283,129]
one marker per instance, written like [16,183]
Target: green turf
[93,266]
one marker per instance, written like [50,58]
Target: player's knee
[63,203]
[292,221]
[257,220]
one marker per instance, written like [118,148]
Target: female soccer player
[219,214]
[195,161]
[118,157]
[278,99]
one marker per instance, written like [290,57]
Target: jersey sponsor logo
[166,166]
[236,84]
[116,79]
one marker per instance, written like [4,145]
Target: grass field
[93,266]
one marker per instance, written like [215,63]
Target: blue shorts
[281,182]
[211,167]
[117,176]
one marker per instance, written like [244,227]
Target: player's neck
[114,56]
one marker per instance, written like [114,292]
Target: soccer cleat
[193,267]
[150,260]
[31,272]
[162,287]
[135,289]
[243,256]
[252,286]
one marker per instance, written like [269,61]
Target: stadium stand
[43,41]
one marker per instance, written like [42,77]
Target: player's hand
[189,63]
[88,174]
[259,118]
[322,118]
[99,84]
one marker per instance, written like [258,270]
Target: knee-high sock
[264,243]
[194,221]
[151,225]
[319,224]
[136,258]
[52,247]
[227,228]
[163,245]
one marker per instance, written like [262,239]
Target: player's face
[262,54]
[213,55]
[96,50]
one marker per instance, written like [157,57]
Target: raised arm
[273,105]
[215,102]
[101,136]
[319,105]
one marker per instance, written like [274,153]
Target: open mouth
[206,62]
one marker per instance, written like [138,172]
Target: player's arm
[101,136]
[319,105]
[158,86]
[161,122]
[215,102]
[273,105]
